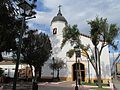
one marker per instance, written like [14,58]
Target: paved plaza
[49,86]
[65,85]
[45,86]
[116,84]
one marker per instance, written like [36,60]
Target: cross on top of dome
[59,16]
[59,12]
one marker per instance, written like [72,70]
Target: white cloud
[79,11]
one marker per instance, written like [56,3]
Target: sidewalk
[19,86]
[116,83]
[65,85]
[69,84]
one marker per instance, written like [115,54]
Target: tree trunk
[97,75]
[98,68]
[35,79]
[1,58]
[99,78]
[40,69]
[31,70]
[96,58]
[58,74]
[35,85]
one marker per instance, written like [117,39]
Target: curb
[51,83]
[43,83]
[57,82]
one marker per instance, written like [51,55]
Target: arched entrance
[81,71]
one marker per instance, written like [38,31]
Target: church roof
[85,35]
[59,17]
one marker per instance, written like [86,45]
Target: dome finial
[59,12]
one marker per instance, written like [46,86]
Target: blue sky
[41,6]
[76,12]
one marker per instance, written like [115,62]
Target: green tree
[71,34]
[36,50]
[105,33]
[57,65]
[8,27]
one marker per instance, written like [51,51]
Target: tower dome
[59,17]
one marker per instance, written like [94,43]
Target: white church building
[68,73]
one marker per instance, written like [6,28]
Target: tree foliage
[9,26]
[70,53]
[102,31]
[57,65]
[71,34]
[36,48]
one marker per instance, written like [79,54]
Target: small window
[55,31]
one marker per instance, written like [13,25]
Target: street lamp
[88,71]
[26,7]
[78,54]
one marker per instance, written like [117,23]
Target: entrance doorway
[81,71]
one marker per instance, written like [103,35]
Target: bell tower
[57,25]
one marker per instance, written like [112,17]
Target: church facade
[68,72]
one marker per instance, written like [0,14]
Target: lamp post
[88,71]
[78,54]
[26,7]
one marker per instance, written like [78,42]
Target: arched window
[55,31]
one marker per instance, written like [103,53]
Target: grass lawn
[101,89]
[96,88]
[92,84]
